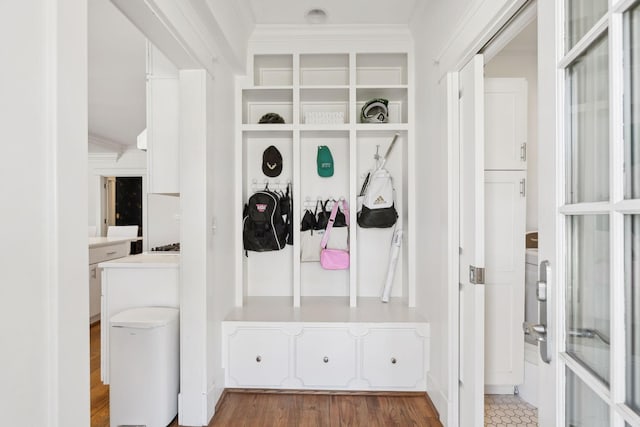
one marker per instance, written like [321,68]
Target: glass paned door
[587,293]
[581,15]
[584,407]
[600,351]
[632,309]
[588,131]
[632,102]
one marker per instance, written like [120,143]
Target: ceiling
[339,12]
[117,55]
[117,70]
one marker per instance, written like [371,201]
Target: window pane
[584,407]
[632,308]
[632,102]
[588,125]
[587,292]
[581,15]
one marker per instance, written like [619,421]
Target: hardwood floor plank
[349,411]
[312,410]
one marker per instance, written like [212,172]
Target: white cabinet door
[94,293]
[162,135]
[393,358]
[326,357]
[258,357]
[505,210]
[505,123]
[163,91]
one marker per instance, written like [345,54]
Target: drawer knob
[258,359]
[325,359]
[393,361]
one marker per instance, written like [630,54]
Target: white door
[471,133]
[505,210]
[589,211]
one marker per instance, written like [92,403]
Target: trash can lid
[145,317]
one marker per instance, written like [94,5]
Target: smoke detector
[315,16]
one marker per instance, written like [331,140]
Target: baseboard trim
[214,395]
[438,399]
[430,402]
[498,389]
[324,392]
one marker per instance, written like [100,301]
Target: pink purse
[334,259]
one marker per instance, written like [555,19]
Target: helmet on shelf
[375,111]
[271,118]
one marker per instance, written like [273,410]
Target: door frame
[504,24]
[96,182]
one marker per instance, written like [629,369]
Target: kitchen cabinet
[506,123]
[163,149]
[103,249]
[505,219]
[143,280]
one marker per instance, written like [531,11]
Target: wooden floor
[246,409]
[242,408]
[99,391]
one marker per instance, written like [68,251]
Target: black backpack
[263,228]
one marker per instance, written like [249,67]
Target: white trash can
[144,367]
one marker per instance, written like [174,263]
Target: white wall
[163,220]
[44,316]
[207,256]
[444,34]
[221,249]
[524,64]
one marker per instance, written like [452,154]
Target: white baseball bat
[396,243]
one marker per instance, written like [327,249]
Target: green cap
[325,161]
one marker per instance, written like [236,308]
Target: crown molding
[329,31]
[113,147]
[298,38]
[111,157]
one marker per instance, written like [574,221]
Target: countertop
[96,242]
[145,260]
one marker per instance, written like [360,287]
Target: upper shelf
[381,69]
[322,70]
[273,70]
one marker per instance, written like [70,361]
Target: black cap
[271,162]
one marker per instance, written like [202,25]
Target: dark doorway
[129,206]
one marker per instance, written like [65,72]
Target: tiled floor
[506,410]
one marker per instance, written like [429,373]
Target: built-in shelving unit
[320,96]
[296,325]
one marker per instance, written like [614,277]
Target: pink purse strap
[332,219]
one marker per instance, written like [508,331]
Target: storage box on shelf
[291,316]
